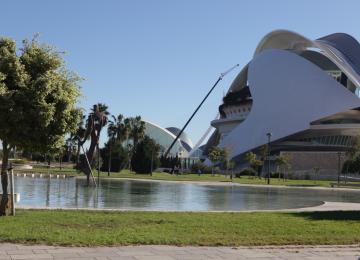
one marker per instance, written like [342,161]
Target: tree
[96,120]
[136,128]
[225,157]
[254,163]
[283,162]
[352,154]
[231,165]
[118,131]
[215,156]
[316,171]
[145,157]
[78,136]
[38,96]
[118,156]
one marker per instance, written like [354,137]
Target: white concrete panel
[283,39]
[288,93]
[340,48]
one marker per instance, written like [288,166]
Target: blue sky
[158,58]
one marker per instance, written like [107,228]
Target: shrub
[146,152]
[18,161]
[200,166]
[119,157]
[246,172]
[276,175]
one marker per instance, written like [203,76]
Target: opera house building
[299,94]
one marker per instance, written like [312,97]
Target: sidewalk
[15,251]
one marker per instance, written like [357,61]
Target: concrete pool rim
[324,206]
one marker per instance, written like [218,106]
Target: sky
[159,58]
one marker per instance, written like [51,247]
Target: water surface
[154,195]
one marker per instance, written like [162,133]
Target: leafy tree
[78,136]
[230,166]
[254,163]
[145,158]
[215,155]
[316,171]
[118,156]
[352,154]
[38,96]
[283,162]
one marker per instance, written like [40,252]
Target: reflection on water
[131,194]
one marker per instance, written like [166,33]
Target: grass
[99,228]
[218,178]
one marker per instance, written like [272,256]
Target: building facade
[304,92]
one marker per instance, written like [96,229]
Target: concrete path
[14,251]
[328,206]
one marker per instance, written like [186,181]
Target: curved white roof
[164,137]
[340,48]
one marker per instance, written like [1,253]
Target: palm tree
[96,120]
[137,129]
[117,131]
[136,132]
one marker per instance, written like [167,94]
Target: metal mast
[222,75]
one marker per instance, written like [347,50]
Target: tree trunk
[60,163]
[78,153]
[109,158]
[4,179]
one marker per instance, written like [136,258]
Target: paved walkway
[14,251]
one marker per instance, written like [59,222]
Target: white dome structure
[165,136]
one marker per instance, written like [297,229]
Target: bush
[276,175]
[200,166]
[18,161]
[351,166]
[119,157]
[145,154]
[246,172]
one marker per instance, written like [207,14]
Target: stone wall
[303,164]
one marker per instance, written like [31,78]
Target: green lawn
[97,228]
[216,178]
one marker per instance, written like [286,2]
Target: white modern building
[302,91]
[165,136]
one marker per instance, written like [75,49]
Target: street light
[268,153]
[339,163]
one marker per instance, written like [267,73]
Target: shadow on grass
[330,215]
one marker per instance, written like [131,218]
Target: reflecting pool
[153,195]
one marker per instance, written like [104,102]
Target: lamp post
[339,163]
[268,155]
[152,161]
